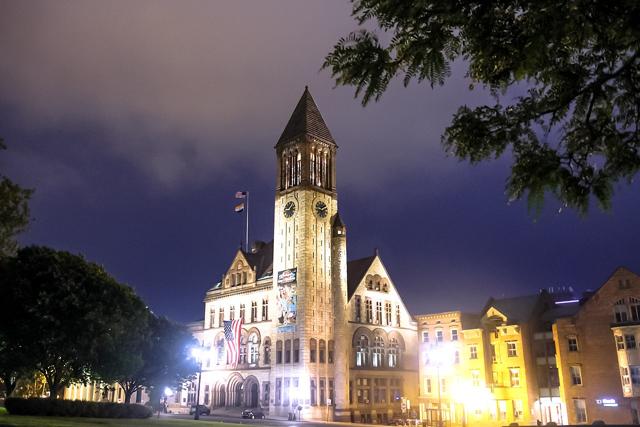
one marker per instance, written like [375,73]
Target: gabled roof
[517,309]
[306,120]
[356,270]
[261,260]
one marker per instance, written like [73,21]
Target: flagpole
[247,226]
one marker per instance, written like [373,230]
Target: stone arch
[361,331]
[251,392]
[219,398]
[398,337]
[234,390]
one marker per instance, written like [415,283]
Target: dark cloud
[136,122]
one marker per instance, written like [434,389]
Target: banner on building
[287,299]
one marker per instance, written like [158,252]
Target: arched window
[312,166]
[242,359]
[312,350]
[296,351]
[287,351]
[362,351]
[634,308]
[323,350]
[266,358]
[298,167]
[220,360]
[331,351]
[254,348]
[394,353]
[377,356]
[283,173]
[278,351]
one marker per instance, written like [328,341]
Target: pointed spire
[306,120]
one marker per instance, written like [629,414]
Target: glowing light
[168,392]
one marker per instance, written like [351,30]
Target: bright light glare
[196,352]
[441,355]
[168,392]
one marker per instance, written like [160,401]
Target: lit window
[427,385]
[620,313]
[439,336]
[473,352]
[580,407]
[619,342]
[475,378]
[454,335]
[624,373]
[512,349]
[634,308]
[514,377]
[576,375]
[425,336]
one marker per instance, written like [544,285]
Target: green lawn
[20,421]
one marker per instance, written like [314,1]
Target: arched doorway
[219,395]
[235,385]
[251,392]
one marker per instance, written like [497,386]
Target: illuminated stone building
[321,335]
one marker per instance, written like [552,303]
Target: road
[266,422]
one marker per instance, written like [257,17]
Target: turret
[339,287]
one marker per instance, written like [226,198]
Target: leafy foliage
[14,212]
[573,133]
[60,314]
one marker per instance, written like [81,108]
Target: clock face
[321,209]
[289,209]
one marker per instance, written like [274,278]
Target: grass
[28,421]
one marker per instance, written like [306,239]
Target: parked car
[253,414]
[202,410]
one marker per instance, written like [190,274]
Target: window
[512,349]
[362,351]
[620,312]
[619,342]
[312,350]
[443,385]
[576,375]
[630,341]
[357,307]
[387,312]
[456,357]
[254,348]
[212,316]
[267,351]
[242,313]
[331,352]
[232,312]
[425,336]
[473,352]
[518,409]
[296,351]
[323,400]
[572,343]
[369,310]
[514,377]
[220,351]
[220,317]
[313,391]
[624,373]
[322,350]
[380,390]
[475,378]
[331,388]
[285,394]
[379,312]
[278,353]
[206,394]
[265,393]
[287,351]
[494,356]
[378,352]
[265,309]
[254,311]
[394,350]
[398,315]
[580,407]
[242,358]
[634,308]
[439,336]
[454,335]
[427,385]
[635,375]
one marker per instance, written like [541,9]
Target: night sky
[136,122]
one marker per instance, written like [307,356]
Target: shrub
[75,408]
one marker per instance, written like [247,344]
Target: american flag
[232,330]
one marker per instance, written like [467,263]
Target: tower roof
[306,120]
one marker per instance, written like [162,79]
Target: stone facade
[304,348]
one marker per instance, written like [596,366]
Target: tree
[166,359]
[14,212]
[59,313]
[574,133]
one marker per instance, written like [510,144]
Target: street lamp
[442,355]
[196,352]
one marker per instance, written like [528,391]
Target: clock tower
[305,209]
